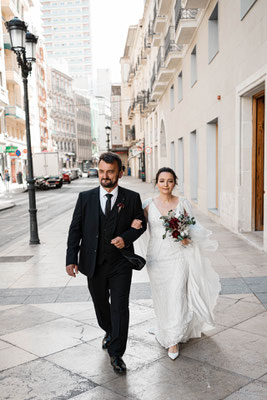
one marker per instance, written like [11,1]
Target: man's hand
[118,242]
[72,270]
[136,224]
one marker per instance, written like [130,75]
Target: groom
[100,228]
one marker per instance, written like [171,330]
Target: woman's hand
[186,242]
[136,224]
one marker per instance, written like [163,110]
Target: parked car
[66,177]
[80,174]
[54,181]
[41,183]
[92,172]
[74,173]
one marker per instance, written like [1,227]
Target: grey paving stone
[254,391]
[16,292]
[262,297]
[22,317]
[72,298]
[41,380]
[41,299]
[14,259]
[232,289]
[75,290]
[47,291]
[184,379]
[261,280]
[140,290]
[12,299]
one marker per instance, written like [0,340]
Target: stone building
[83,131]
[194,74]
[62,115]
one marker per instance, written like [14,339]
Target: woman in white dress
[184,286]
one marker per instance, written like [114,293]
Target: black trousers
[110,288]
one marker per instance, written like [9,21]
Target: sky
[110,20]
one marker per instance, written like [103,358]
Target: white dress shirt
[103,197]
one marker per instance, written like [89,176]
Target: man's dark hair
[111,158]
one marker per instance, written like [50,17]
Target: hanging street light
[23,44]
[108,132]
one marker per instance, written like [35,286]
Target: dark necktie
[108,204]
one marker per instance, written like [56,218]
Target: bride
[184,286]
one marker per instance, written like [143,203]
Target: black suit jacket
[84,228]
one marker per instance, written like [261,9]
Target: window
[173,155]
[181,165]
[180,86]
[193,165]
[245,6]
[194,66]
[213,172]
[213,44]
[172,97]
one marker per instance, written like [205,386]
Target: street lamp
[108,131]
[23,43]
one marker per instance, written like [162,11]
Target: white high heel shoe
[173,356]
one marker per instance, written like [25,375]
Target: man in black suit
[100,229]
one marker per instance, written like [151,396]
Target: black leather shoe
[118,364]
[106,341]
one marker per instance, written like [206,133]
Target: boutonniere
[120,206]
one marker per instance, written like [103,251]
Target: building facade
[83,131]
[116,126]
[194,73]
[62,116]
[67,34]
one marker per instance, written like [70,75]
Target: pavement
[6,196]
[50,343]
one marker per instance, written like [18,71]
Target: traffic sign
[11,149]
[18,153]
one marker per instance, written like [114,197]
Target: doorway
[258,162]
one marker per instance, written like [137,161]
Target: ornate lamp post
[23,43]
[108,131]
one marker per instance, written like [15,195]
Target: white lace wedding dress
[184,286]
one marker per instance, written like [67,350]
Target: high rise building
[67,33]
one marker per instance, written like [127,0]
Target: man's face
[108,174]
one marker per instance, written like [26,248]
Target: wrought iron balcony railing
[183,13]
[160,58]
[169,42]
[153,78]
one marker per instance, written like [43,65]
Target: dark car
[92,172]
[54,181]
[41,183]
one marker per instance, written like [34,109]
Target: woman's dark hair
[111,158]
[166,169]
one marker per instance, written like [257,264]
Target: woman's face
[165,183]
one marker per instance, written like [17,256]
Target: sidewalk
[6,200]
[50,343]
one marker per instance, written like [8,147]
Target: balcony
[164,6]
[131,110]
[196,3]
[173,52]
[185,23]
[163,74]
[15,112]
[9,8]
[143,57]
[156,39]
[159,20]
[131,74]
[12,69]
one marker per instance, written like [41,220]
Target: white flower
[185,233]
[182,234]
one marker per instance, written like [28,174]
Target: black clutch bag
[136,261]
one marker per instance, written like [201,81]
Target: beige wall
[234,74]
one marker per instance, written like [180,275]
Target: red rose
[175,234]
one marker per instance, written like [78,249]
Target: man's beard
[108,183]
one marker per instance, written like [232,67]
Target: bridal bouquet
[177,227]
